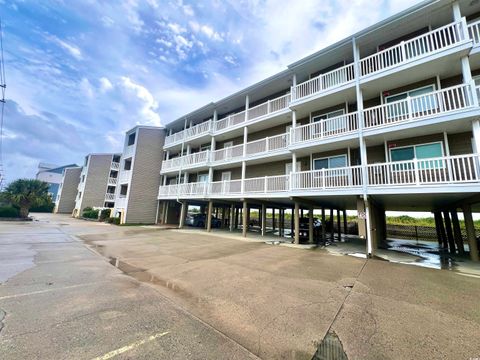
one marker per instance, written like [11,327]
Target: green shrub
[47,208]
[8,212]
[114,220]
[105,214]
[90,214]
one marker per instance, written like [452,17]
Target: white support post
[244,171]
[457,15]
[476,135]
[245,140]
[247,104]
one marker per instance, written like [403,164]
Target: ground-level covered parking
[235,298]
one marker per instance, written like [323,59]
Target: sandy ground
[245,297]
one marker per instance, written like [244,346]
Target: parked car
[199,220]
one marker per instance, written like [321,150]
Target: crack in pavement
[2,316]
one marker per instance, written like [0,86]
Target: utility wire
[3,86]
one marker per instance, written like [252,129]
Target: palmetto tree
[25,194]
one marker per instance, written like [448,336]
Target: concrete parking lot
[76,289]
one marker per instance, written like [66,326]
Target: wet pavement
[153,293]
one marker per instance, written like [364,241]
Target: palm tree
[25,194]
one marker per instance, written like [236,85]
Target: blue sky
[81,73]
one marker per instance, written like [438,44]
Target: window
[421,104]
[202,178]
[331,162]
[423,151]
[333,125]
[116,158]
[83,178]
[123,190]
[477,80]
[131,139]
[205,147]
[127,165]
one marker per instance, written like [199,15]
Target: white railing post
[409,107]
[269,107]
[416,172]
[403,51]
[265,185]
[290,181]
[323,179]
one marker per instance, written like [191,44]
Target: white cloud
[105,84]
[107,21]
[71,49]
[148,107]
[176,28]
[206,30]
[87,88]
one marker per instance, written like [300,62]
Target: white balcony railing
[191,132]
[458,169]
[323,82]
[225,187]
[229,121]
[109,197]
[228,153]
[112,181]
[269,107]
[346,177]
[417,107]
[423,45]
[326,128]
[268,144]
[474,32]
[115,166]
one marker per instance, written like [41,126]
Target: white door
[288,167]
[226,177]
[228,151]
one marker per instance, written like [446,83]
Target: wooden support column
[469,226]
[332,223]
[264,219]
[438,217]
[448,226]
[291,223]
[324,227]
[183,213]
[209,215]
[339,230]
[443,234]
[457,232]
[273,220]
[345,222]
[310,225]
[244,219]
[224,222]
[232,217]
[296,216]
[237,215]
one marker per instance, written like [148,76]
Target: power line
[3,86]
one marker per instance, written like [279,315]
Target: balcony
[188,161]
[115,166]
[268,145]
[198,130]
[323,83]
[112,181]
[325,129]
[266,109]
[474,32]
[430,43]
[441,174]
[109,197]
[434,104]
[227,154]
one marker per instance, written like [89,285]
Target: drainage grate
[330,348]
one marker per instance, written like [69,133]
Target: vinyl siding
[143,187]
[96,181]
[68,193]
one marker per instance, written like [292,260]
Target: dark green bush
[116,221]
[8,212]
[48,208]
[90,214]
[105,214]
